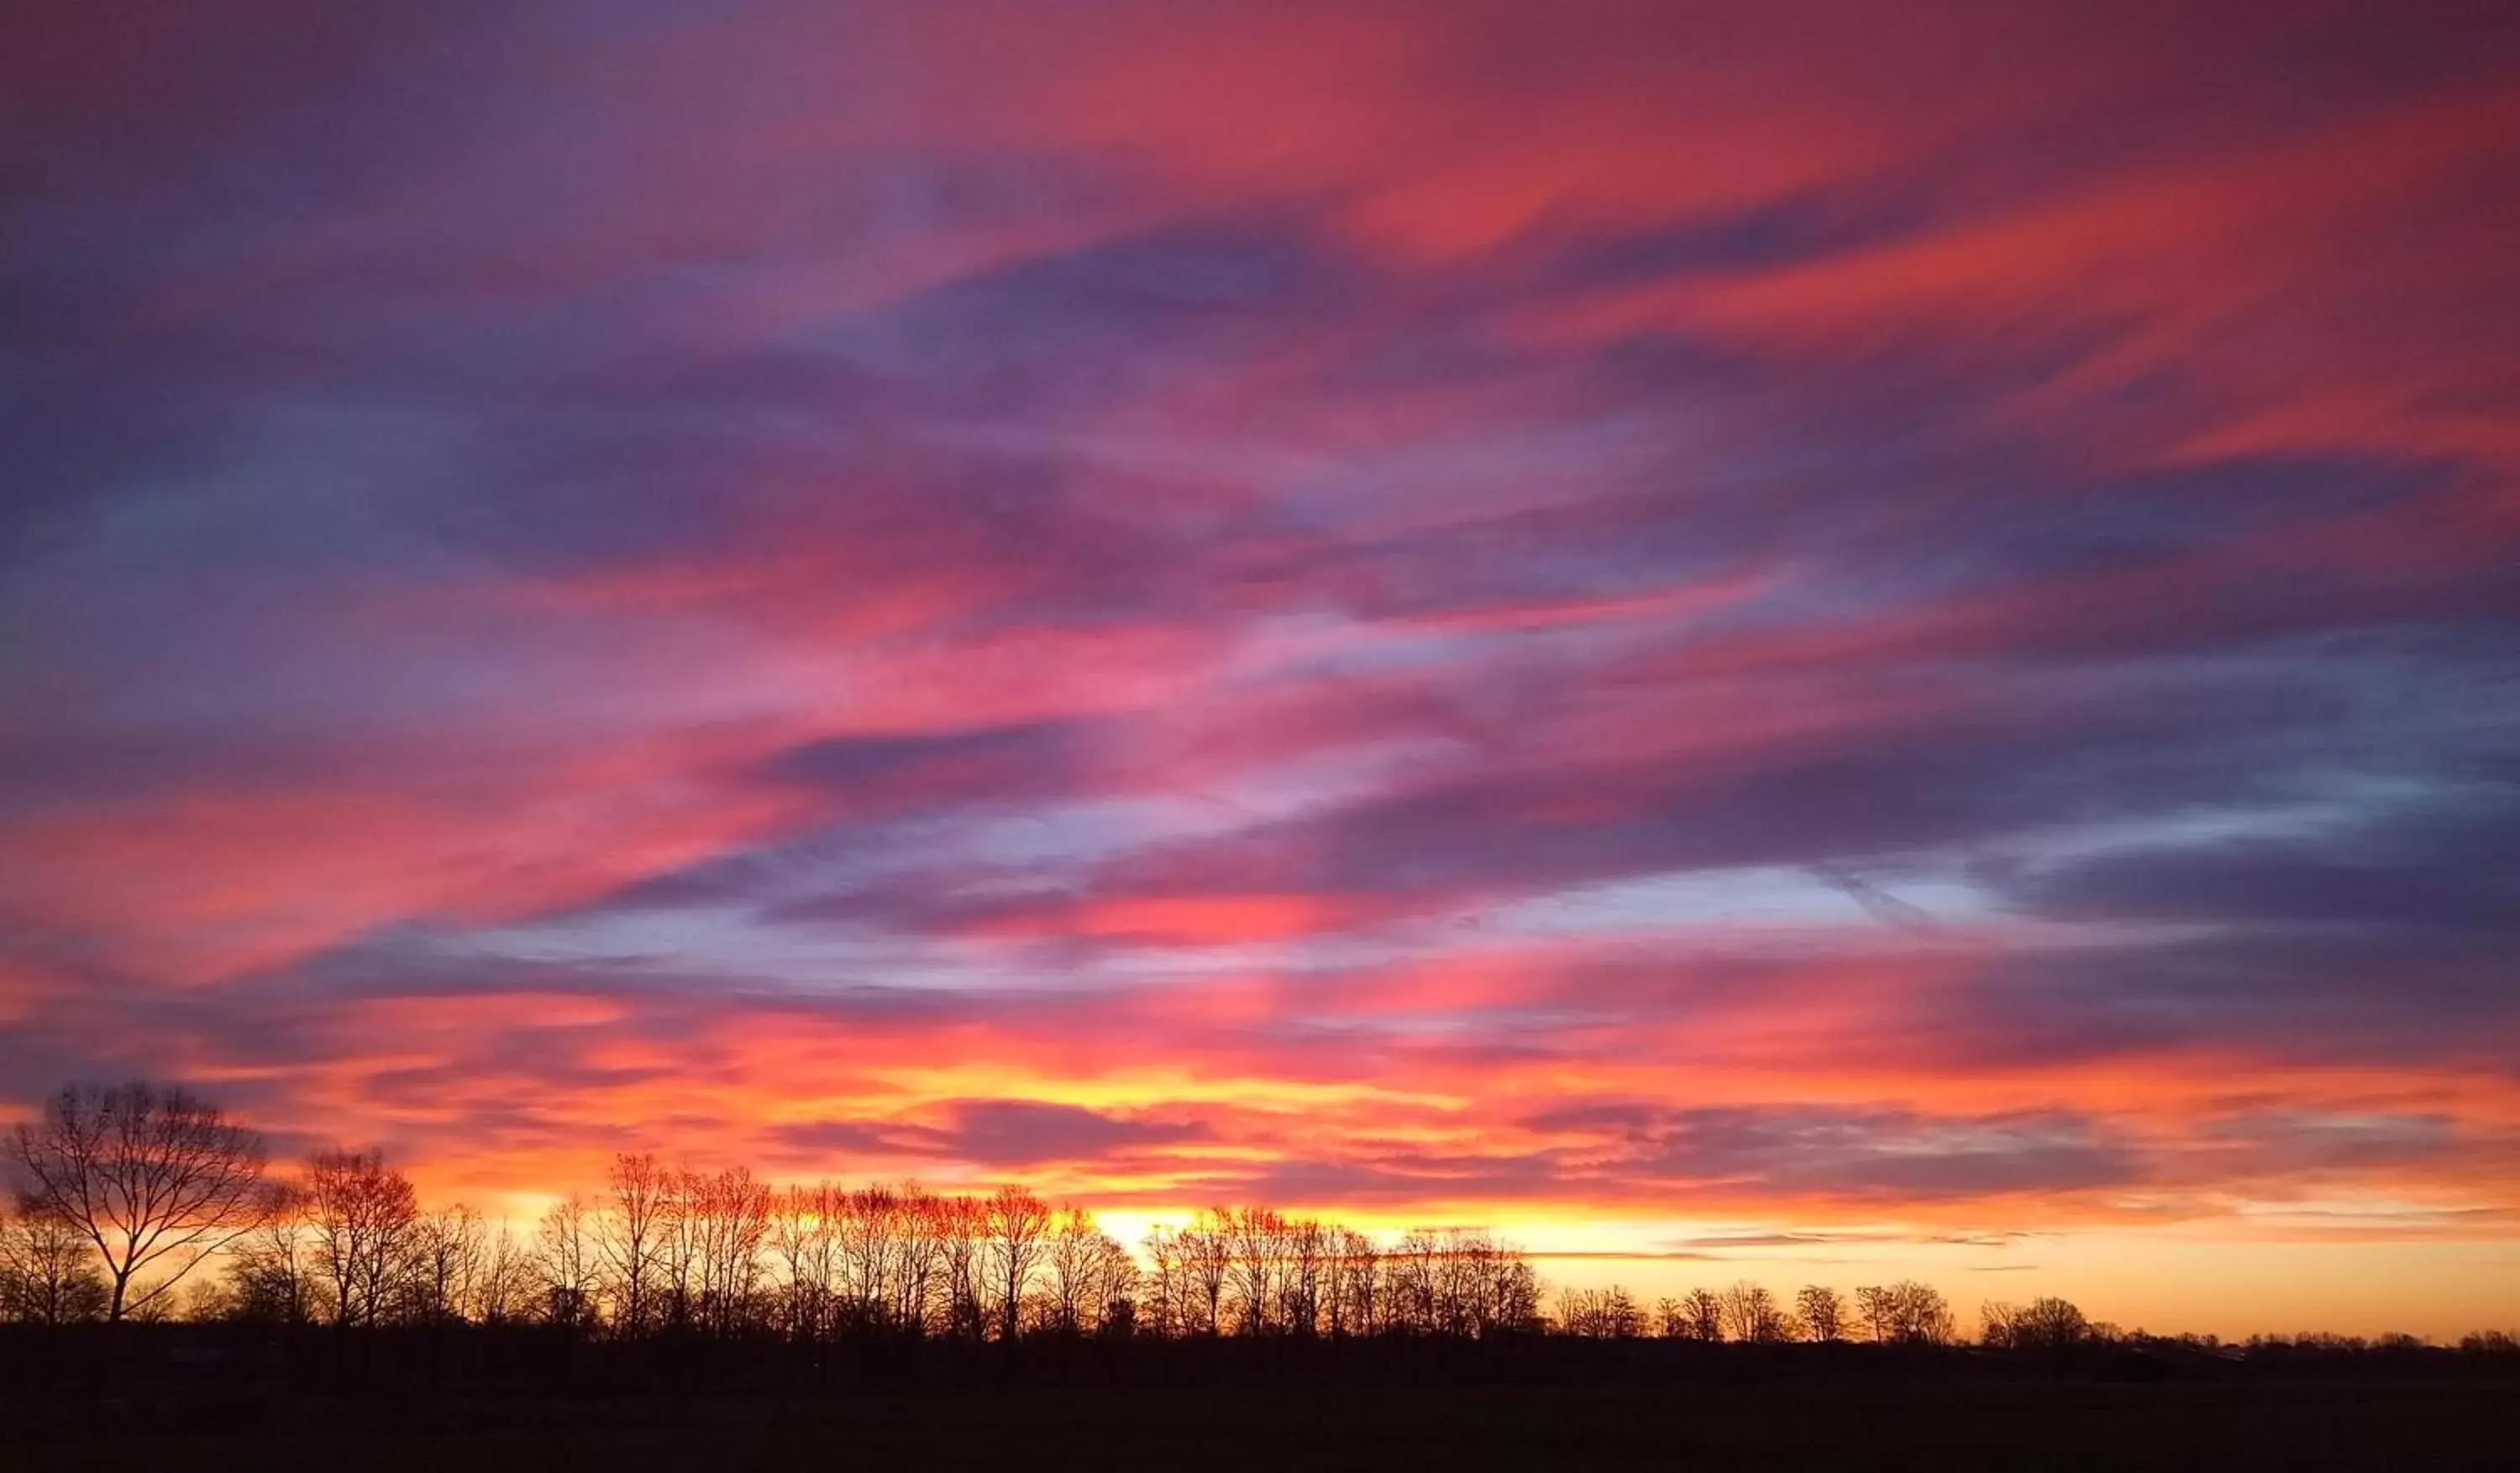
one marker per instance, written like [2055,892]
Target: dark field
[2291,1422]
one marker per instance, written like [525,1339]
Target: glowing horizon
[1880,632]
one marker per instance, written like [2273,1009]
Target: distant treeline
[143,1202]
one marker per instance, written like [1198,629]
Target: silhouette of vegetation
[48,1274]
[2042,1324]
[1821,1313]
[157,1179]
[338,1288]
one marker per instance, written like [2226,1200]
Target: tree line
[142,1201]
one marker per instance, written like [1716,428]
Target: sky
[1815,641]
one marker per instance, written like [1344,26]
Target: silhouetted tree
[1458,1281]
[678,1261]
[1208,1261]
[1074,1255]
[2046,1324]
[1600,1314]
[723,1253]
[1701,1317]
[1115,1279]
[1751,1314]
[154,1177]
[732,1212]
[48,1272]
[1905,1312]
[1506,1287]
[1924,1316]
[639,1202]
[962,1234]
[272,1270]
[363,1217]
[1256,1247]
[1162,1299]
[1872,1308]
[889,1253]
[1670,1318]
[567,1264]
[1823,1313]
[1301,1285]
[502,1290]
[1356,1283]
[445,1260]
[801,1237]
[1016,1222]
[917,1257]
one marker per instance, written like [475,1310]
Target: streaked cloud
[1880,623]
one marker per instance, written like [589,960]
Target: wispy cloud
[1872,622]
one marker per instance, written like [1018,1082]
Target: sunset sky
[1801,641]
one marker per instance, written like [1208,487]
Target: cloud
[994,1134]
[1850,1152]
[1000,1131]
[2443,868]
[1648,618]
[1826,1239]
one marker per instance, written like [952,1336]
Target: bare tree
[362,1216]
[632,1234]
[2052,1324]
[156,1179]
[863,1230]
[734,1215]
[2047,1324]
[1115,1280]
[444,1260]
[1751,1314]
[1514,1293]
[1823,1311]
[1092,1278]
[1702,1315]
[1458,1281]
[1413,1284]
[1609,1314]
[1016,1223]
[1075,1255]
[1208,1263]
[1671,1319]
[47,1273]
[272,1270]
[1502,1288]
[961,1232]
[801,1237]
[1256,1241]
[679,1263]
[1162,1308]
[502,1290]
[1300,1287]
[565,1261]
[1355,1281]
[1873,1307]
[1923,1315]
[1907,1313]
[918,1243]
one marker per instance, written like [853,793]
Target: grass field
[2377,1423]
